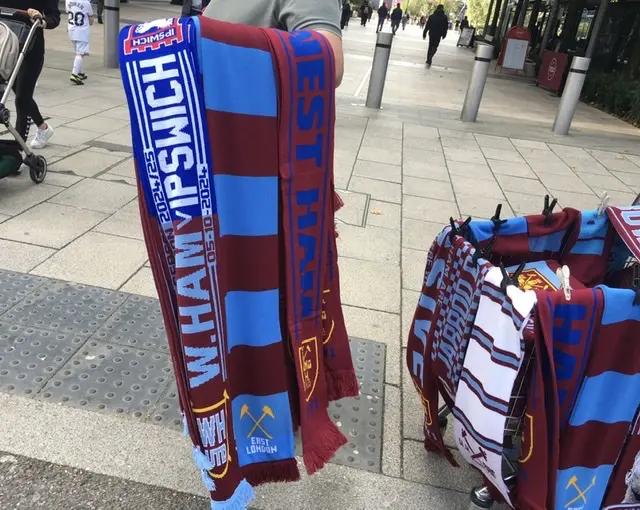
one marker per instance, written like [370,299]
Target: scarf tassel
[272,472]
[342,384]
[326,442]
[240,500]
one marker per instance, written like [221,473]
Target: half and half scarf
[235,232]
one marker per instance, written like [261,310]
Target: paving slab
[510,155]
[86,163]
[481,207]
[522,185]
[392,445]
[426,209]
[22,257]
[563,183]
[20,193]
[384,215]
[63,179]
[142,283]
[355,207]
[409,303]
[494,142]
[375,244]
[601,183]
[97,195]
[426,170]
[50,224]
[380,171]
[421,156]
[378,154]
[470,170]
[413,265]
[515,169]
[427,188]
[96,259]
[419,235]
[481,188]
[379,190]
[523,204]
[122,223]
[370,284]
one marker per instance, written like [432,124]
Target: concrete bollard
[571,95]
[484,52]
[111,32]
[379,69]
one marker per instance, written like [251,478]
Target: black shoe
[82,76]
[99,20]
[76,80]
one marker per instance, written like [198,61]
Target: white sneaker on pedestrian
[42,137]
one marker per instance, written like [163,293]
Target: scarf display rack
[442,364]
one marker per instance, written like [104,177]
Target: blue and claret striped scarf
[233,142]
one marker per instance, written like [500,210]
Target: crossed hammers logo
[582,494]
[257,424]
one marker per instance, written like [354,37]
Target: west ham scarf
[606,405]
[225,252]
[492,363]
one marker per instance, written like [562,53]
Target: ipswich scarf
[233,234]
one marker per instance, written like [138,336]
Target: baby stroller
[17,32]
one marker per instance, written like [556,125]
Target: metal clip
[508,279]
[497,222]
[459,230]
[548,209]
[563,273]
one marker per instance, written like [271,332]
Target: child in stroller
[17,33]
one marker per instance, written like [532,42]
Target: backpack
[9,51]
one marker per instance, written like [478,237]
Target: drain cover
[29,356]
[15,286]
[66,308]
[167,411]
[368,361]
[112,378]
[137,323]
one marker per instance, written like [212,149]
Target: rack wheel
[37,168]
[443,422]
[480,499]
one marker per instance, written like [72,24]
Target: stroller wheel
[37,168]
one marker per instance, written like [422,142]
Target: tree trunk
[496,15]
[534,14]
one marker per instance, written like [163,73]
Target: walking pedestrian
[100,10]
[346,14]
[405,20]
[383,11]
[437,26]
[364,14]
[25,84]
[464,24]
[396,18]
[80,14]
[289,15]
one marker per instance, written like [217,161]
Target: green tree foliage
[477,12]
[426,7]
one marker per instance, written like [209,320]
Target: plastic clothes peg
[564,275]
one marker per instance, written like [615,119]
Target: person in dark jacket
[364,14]
[437,26]
[383,12]
[346,14]
[464,24]
[396,18]
[25,84]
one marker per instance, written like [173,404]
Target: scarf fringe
[326,441]
[342,384]
[272,472]
[240,500]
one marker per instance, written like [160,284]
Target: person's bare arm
[336,46]
[323,16]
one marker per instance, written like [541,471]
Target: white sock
[77,65]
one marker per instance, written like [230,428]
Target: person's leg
[100,10]
[431,51]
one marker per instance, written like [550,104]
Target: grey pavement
[402,172]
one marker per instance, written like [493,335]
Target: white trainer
[42,137]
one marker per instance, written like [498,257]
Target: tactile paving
[360,420]
[14,287]
[368,361]
[106,377]
[137,323]
[29,357]
[66,308]
[167,411]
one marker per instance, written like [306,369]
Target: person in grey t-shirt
[320,15]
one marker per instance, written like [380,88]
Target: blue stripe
[551,242]
[327,161]
[198,35]
[610,397]
[618,306]
[485,443]
[248,206]
[250,89]
[264,327]
[487,400]
[591,482]
[484,229]
[543,268]
[588,247]
[482,339]
[296,328]
[593,230]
